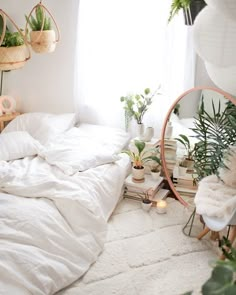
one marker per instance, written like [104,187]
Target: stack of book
[185,184]
[170,154]
[153,188]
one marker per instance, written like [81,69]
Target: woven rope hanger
[45,9]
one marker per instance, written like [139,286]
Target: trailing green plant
[140,157]
[215,133]
[40,21]
[136,106]
[184,140]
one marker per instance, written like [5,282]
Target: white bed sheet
[53,225]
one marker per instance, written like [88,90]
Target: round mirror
[193,138]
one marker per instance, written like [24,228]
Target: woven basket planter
[12,58]
[43,41]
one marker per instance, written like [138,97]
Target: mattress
[53,219]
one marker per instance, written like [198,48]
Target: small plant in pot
[139,158]
[182,168]
[189,158]
[146,202]
[42,36]
[156,170]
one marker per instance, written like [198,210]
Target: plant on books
[183,139]
[141,157]
[136,105]
[189,158]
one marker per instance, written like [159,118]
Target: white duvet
[52,225]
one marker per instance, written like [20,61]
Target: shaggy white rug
[147,254]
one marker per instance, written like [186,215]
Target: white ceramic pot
[140,130]
[182,170]
[148,134]
[146,207]
[138,174]
[155,175]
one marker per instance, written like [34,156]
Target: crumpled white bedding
[85,147]
[52,225]
[215,199]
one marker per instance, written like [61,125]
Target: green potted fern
[42,36]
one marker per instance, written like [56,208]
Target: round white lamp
[226,7]
[223,77]
[214,37]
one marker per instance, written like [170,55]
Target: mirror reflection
[201,125]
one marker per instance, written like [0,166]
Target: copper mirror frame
[164,165]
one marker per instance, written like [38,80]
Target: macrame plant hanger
[13,57]
[42,41]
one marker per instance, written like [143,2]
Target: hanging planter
[42,37]
[190,8]
[14,52]
[193,10]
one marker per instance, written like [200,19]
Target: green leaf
[140,145]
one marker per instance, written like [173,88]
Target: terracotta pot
[43,41]
[12,58]
[138,174]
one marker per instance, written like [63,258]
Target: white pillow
[42,126]
[16,145]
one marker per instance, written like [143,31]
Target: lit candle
[161,206]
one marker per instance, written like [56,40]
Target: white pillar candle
[161,207]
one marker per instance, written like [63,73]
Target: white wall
[45,83]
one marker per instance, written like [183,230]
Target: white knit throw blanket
[215,199]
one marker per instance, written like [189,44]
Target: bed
[58,186]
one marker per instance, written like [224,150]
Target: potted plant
[136,106]
[139,158]
[189,161]
[146,203]
[42,36]
[12,48]
[190,8]
[156,170]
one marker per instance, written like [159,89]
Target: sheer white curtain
[125,46]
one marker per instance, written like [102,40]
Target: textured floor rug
[148,254]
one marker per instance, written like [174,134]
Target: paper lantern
[223,77]
[214,37]
[226,7]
